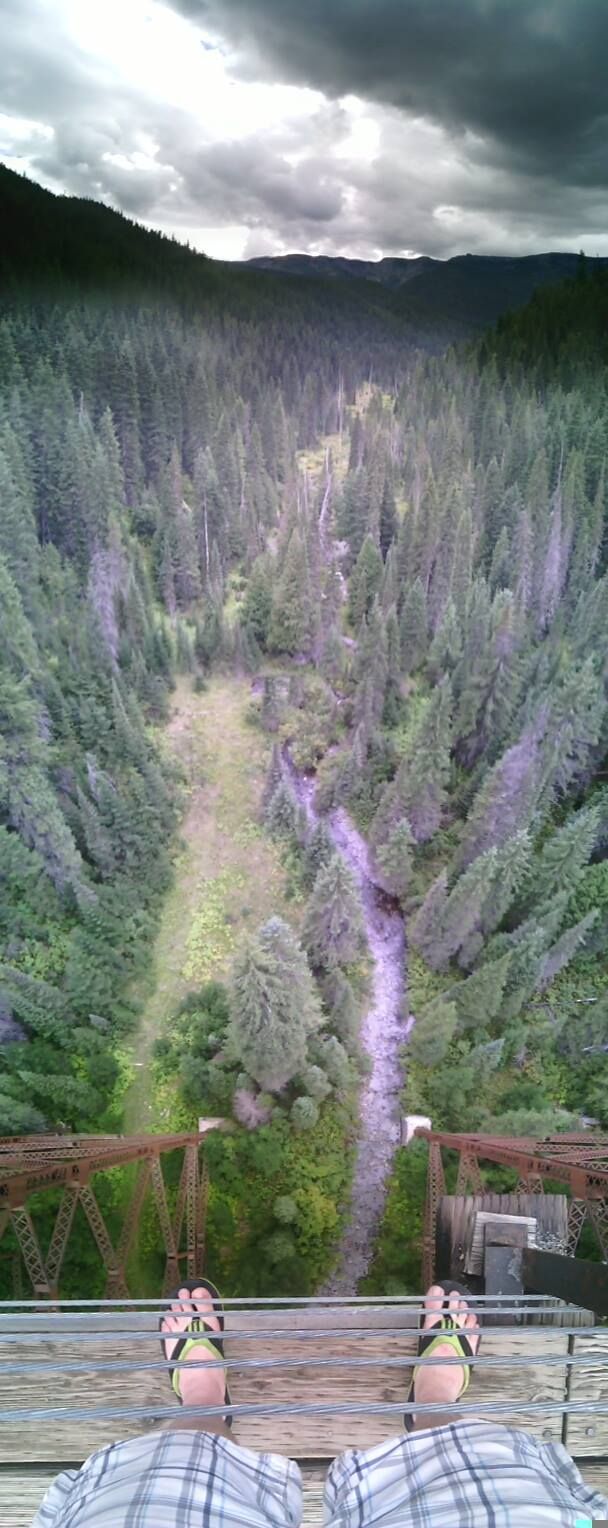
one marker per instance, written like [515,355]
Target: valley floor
[227,878]
[227,872]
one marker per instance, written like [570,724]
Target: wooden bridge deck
[32,1452]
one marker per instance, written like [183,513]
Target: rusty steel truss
[32,1165]
[579,1162]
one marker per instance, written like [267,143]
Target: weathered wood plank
[587,1432]
[322,1437]
[21,1492]
[57,1439]
[303,1437]
[595,1475]
[313,1486]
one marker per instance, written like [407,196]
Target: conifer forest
[303,663]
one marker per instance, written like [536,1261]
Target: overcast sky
[353,127]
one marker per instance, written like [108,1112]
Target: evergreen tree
[433,1033]
[418,791]
[525,966]
[479,997]
[510,869]
[365,581]
[390,586]
[564,950]
[357,443]
[371,669]
[576,710]
[344,1010]
[304,1114]
[501,565]
[283,815]
[508,796]
[462,569]
[413,628]
[395,858]
[388,519]
[334,1061]
[275,697]
[315,1083]
[463,910]
[446,646]
[334,931]
[562,858]
[318,852]
[293,623]
[274,1007]
[18,540]
[257,606]
[425,927]
[99,845]
[351,512]
[393,660]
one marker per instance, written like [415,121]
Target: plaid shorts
[465,1475]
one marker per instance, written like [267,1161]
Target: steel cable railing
[80,1324]
[300,1409]
[278,1334]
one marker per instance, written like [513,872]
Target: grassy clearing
[313,461]
[228,875]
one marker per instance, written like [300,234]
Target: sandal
[444,1330]
[196,1325]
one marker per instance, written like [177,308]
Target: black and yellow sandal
[444,1330]
[190,1338]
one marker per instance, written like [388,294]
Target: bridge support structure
[578,1162]
[32,1168]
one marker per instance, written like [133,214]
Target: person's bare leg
[438,1381]
[200,1387]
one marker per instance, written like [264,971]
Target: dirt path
[383,1032]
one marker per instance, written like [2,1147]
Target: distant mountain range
[391,272]
[463,294]
[50,243]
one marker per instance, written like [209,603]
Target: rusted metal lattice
[34,1165]
[580,1162]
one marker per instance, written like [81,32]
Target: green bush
[285,1209]
[396,1268]
[304,1113]
[258,1176]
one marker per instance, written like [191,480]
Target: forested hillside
[471,522]
[490,607]
[439,298]
[143,454]
[409,569]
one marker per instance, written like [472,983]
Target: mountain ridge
[50,240]
[464,294]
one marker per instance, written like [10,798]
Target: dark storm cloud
[487,117]
[529,75]
[45,77]
[246,180]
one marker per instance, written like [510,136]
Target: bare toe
[177,1319]
[471,1325]
[433,1301]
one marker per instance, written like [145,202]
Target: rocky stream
[383,1031]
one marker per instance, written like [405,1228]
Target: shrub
[285,1209]
[304,1114]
